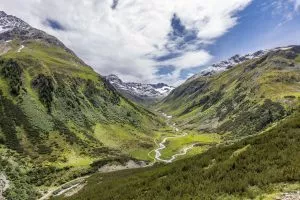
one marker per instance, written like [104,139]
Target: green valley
[254,108]
[260,167]
[67,132]
[61,116]
[243,100]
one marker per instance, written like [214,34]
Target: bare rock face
[290,196]
[12,27]
[4,184]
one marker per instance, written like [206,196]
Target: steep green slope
[61,116]
[254,168]
[243,100]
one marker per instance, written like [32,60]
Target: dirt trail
[20,49]
[71,185]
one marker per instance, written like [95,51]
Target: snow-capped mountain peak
[140,91]
[9,22]
[235,60]
[227,64]
[10,26]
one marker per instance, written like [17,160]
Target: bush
[45,87]
[12,71]
[252,120]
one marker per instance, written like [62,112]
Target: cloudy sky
[161,40]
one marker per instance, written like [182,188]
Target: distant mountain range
[140,92]
[233,61]
[229,96]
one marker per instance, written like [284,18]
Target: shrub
[44,85]
[12,71]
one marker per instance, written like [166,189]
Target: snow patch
[285,48]
[3,29]
[233,61]
[141,90]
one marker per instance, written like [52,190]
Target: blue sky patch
[167,57]
[55,24]
[114,4]
[180,35]
[164,70]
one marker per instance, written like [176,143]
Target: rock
[11,26]
[4,184]
[290,196]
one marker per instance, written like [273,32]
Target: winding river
[162,145]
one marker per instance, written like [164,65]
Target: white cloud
[121,40]
[286,9]
[297,4]
[189,59]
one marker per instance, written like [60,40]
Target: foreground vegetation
[242,100]
[200,140]
[257,167]
[60,118]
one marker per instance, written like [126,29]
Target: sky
[161,40]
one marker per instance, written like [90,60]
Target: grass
[89,122]
[125,138]
[174,145]
[83,122]
[141,154]
[240,151]
[53,59]
[75,160]
[262,167]
[130,140]
[240,89]
[196,151]
[276,190]
[297,59]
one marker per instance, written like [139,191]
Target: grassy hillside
[61,116]
[259,167]
[60,120]
[243,100]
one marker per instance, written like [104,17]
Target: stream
[162,145]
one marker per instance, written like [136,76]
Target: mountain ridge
[233,61]
[207,102]
[255,107]
[59,119]
[12,27]
[140,92]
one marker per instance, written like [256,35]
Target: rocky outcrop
[290,196]
[4,184]
[12,27]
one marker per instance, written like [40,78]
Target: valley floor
[262,167]
[174,145]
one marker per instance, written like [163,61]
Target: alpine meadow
[150,100]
